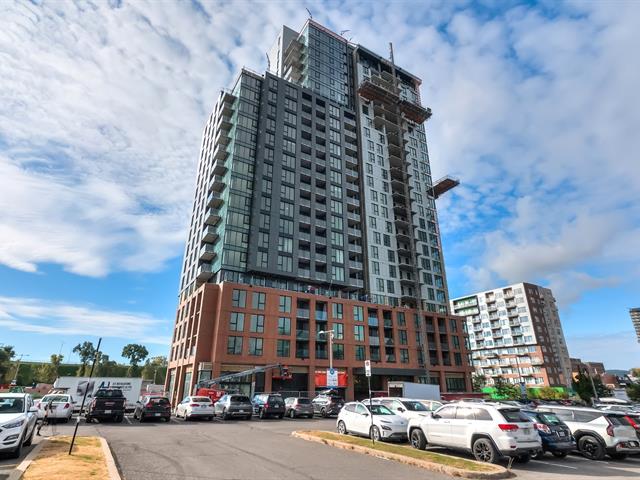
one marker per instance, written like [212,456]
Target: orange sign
[321,378]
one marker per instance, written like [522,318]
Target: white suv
[489,431]
[18,417]
[599,433]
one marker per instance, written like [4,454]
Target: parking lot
[265,450]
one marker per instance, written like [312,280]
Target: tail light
[193,404]
[148,405]
[266,405]
[610,431]
[66,405]
[542,427]
[93,403]
[507,427]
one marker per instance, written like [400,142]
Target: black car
[268,405]
[151,406]
[107,404]
[327,404]
[555,434]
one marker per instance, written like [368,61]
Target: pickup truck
[107,403]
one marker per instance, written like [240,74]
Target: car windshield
[549,418]
[108,393]
[276,400]
[201,399]
[303,401]
[159,401]
[415,406]
[513,415]
[336,399]
[379,410]
[54,398]
[240,399]
[11,405]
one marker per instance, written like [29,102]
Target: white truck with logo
[76,387]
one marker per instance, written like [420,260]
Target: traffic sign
[332,377]
[367,368]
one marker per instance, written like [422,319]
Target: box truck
[76,386]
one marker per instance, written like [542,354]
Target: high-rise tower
[315,208]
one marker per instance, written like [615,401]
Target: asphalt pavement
[265,450]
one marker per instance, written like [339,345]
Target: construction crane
[284,374]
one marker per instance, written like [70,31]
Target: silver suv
[490,431]
[599,433]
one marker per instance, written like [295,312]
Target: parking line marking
[558,465]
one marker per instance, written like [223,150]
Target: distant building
[577,367]
[595,368]
[635,318]
[515,333]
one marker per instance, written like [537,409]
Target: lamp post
[330,334]
[15,378]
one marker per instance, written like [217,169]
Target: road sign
[367,368]
[332,377]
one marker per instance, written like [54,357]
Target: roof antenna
[343,32]
[309,12]
[391,52]
[268,61]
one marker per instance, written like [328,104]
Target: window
[234,345]
[263,259]
[285,304]
[360,352]
[338,331]
[447,412]
[338,351]
[239,298]
[263,240]
[236,322]
[336,310]
[284,326]
[358,314]
[404,355]
[403,337]
[285,264]
[358,333]
[283,348]
[257,324]
[259,300]
[255,346]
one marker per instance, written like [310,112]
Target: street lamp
[15,378]
[330,334]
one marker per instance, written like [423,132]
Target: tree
[584,389]
[6,355]
[48,372]
[635,372]
[155,369]
[135,353]
[478,381]
[633,390]
[550,393]
[86,351]
[506,390]
[105,367]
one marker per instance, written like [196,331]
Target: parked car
[432,405]
[490,431]
[107,404]
[298,407]
[404,407]
[327,404]
[229,406]
[599,433]
[152,406]
[555,434]
[634,421]
[375,421]
[195,407]
[268,405]
[60,407]
[18,418]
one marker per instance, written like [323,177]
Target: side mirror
[365,414]
[33,410]
[400,409]
[435,415]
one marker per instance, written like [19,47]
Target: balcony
[224,122]
[304,273]
[207,253]
[302,313]
[351,173]
[304,237]
[214,199]
[220,153]
[320,258]
[355,248]
[321,207]
[304,254]
[302,334]
[212,216]
[353,201]
[304,219]
[209,235]
[205,272]
[356,282]
[321,316]
[354,232]
[322,276]
[353,265]
[217,183]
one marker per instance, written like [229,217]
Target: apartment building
[315,204]
[635,319]
[515,333]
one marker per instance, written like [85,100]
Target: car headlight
[384,427]
[15,424]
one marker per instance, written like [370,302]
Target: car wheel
[225,415]
[88,419]
[560,454]
[342,428]
[119,418]
[323,413]
[141,417]
[590,447]
[538,455]
[418,440]
[292,413]
[30,439]
[281,416]
[374,434]
[484,451]
[17,452]
[523,458]
[248,417]
[618,456]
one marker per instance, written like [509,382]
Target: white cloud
[39,316]
[621,350]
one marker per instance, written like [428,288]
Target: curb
[20,469]
[112,470]
[500,472]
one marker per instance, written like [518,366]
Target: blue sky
[536,110]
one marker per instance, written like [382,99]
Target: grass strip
[54,463]
[433,457]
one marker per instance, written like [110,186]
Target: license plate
[241,411]
[157,414]
[561,434]
[633,444]
[107,411]
[526,431]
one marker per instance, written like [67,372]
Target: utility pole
[15,378]
[329,333]
[593,385]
